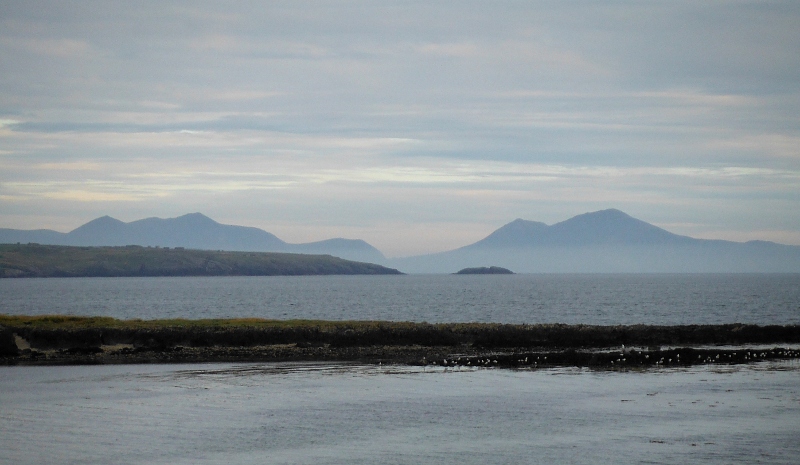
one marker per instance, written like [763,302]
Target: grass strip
[60,331]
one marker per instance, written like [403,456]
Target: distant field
[45,261]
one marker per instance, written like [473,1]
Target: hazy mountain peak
[104,222]
[97,230]
[610,214]
[606,241]
[609,226]
[196,218]
[515,233]
[523,225]
[193,231]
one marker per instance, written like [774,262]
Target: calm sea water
[347,414]
[572,299]
[351,414]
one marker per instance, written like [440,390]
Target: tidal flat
[353,413]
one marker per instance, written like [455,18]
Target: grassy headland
[66,339]
[45,261]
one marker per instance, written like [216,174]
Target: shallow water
[346,414]
[573,299]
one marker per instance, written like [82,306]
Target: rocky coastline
[55,340]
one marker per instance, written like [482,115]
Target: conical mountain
[605,241]
[604,227]
[607,227]
[100,231]
[517,233]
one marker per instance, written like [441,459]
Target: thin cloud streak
[384,121]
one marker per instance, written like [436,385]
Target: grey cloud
[620,84]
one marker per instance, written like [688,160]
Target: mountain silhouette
[606,241]
[517,233]
[192,231]
[605,227]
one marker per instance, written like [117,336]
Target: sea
[344,413]
[598,299]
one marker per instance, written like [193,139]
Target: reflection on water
[351,413]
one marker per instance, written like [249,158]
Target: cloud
[62,48]
[425,114]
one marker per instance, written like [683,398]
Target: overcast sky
[416,126]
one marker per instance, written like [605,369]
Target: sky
[417,126]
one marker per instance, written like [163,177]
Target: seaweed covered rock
[8,344]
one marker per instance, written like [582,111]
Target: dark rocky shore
[72,340]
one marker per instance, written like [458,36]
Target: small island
[485,270]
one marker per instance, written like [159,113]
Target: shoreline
[20,261]
[407,356]
[66,340]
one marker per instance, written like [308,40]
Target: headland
[47,261]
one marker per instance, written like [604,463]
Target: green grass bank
[67,339]
[46,261]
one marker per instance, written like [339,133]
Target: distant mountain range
[192,231]
[606,241]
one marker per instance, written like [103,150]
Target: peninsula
[46,261]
